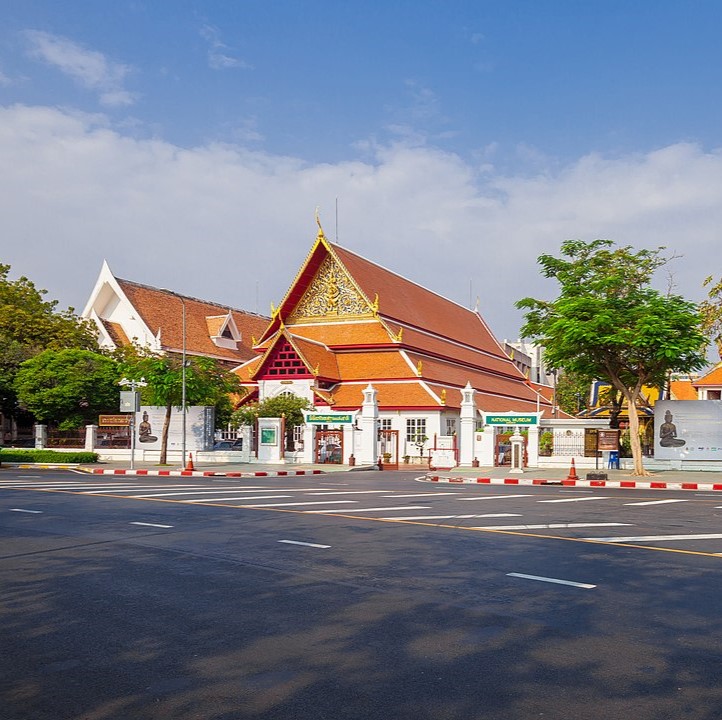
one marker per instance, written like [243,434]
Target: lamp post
[131,404]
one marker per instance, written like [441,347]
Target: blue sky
[189,143]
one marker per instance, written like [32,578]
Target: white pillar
[91,436]
[41,436]
[368,454]
[309,443]
[270,442]
[467,426]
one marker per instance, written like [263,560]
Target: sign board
[329,418]
[608,440]
[688,429]
[442,459]
[129,401]
[113,420]
[511,419]
[200,422]
[268,436]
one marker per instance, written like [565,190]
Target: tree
[711,310]
[572,392]
[68,387]
[30,324]
[287,405]
[207,382]
[610,324]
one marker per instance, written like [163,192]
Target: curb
[623,484]
[198,473]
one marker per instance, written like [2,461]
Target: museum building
[392,369]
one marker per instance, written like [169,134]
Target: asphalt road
[387,598]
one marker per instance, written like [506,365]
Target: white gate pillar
[467,426]
[368,454]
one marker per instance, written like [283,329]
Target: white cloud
[89,68]
[225,223]
[218,57]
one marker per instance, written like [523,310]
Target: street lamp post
[131,404]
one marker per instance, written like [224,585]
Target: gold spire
[443,396]
[253,341]
[375,305]
[321,235]
[419,368]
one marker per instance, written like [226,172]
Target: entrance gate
[389,449]
[329,446]
[502,454]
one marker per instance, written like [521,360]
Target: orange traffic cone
[573,472]
[189,464]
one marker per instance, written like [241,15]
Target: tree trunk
[634,439]
[164,435]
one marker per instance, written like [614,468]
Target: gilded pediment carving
[331,294]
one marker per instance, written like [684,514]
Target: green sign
[511,420]
[329,418]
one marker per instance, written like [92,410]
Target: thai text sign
[503,419]
[329,418]
[113,420]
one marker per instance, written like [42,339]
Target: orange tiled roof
[403,300]
[682,390]
[163,310]
[373,365]
[342,334]
[411,394]
[116,332]
[714,377]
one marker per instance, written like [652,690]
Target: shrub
[46,456]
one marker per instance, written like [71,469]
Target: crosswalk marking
[242,497]
[449,517]
[552,526]
[318,502]
[656,538]
[575,499]
[377,509]
[658,502]
[496,497]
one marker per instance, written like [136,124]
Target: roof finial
[321,235]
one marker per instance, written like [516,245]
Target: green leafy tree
[711,310]
[207,382]
[30,324]
[285,405]
[68,388]
[572,392]
[610,324]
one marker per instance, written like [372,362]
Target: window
[451,426]
[415,429]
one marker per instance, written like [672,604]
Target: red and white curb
[628,484]
[199,473]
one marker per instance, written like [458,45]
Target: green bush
[15,455]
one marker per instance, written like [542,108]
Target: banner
[688,430]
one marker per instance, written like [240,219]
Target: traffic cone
[189,464]
[573,472]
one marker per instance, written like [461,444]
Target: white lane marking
[449,517]
[431,494]
[242,497]
[551,526]
[156,525]
[557,581]
[34,512]
[319,502]
[496,497]
[348,492]
[655,538]
[378,509]
[305,544]
[577,499]
[657,502]
[27,477]
[214,491]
